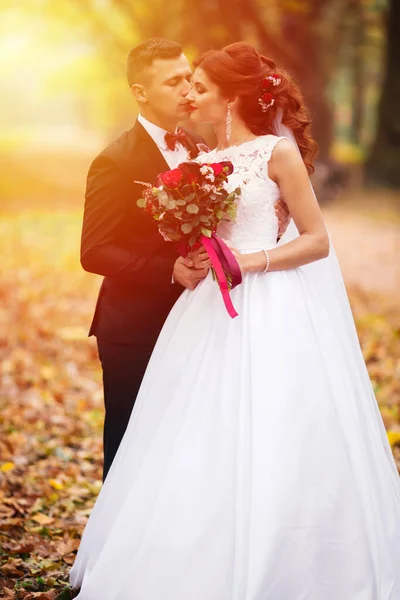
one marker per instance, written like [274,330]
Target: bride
[255,465]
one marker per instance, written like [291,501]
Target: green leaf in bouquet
[204,219]
[171,204]
[181,202]
[186,227]
[192,240]
[231,213]
[192,209]
[141,202]
[187,190]
[230,197]
[206,232]
[163,197]
[178,214]
[174,237]
[219,214]
[190,197]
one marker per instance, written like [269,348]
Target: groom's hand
[283,214]
[186,275]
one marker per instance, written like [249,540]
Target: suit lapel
[147,158]
[193,149]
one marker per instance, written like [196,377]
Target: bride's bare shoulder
[284,150]
[285,158]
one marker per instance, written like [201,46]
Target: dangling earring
[228,124]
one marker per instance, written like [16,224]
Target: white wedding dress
[255,465]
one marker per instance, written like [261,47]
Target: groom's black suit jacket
[122,243]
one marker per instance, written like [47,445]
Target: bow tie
[180,137]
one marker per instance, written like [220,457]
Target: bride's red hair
[238,70]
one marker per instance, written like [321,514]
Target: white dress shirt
[173,157]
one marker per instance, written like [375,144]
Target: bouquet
[188,203]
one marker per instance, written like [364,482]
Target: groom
[143,276]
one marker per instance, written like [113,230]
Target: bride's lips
[192,108]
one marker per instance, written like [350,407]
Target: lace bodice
[256,225]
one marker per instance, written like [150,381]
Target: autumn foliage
[51,398]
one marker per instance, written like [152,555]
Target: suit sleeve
[106,197]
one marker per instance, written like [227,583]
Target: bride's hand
[241,260]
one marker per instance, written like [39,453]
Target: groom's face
[166,87]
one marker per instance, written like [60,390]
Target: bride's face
[207,104]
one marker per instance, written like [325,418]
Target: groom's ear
[139,92]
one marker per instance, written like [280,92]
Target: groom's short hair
[141,57]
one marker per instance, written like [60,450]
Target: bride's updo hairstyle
[239,70]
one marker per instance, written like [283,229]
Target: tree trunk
[358,32]
[311,76]
[383,166]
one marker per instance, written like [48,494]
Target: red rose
[266,84]
[224,167]
[217,168]
[192,178]
[191,172]
[227,166]
[171,178]
[266,98]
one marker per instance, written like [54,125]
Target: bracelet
[267,265]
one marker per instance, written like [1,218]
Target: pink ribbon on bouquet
[223,261]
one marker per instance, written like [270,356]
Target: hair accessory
[266,100]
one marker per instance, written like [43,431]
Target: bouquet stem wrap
[224,263]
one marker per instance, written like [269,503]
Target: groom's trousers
[123,368]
